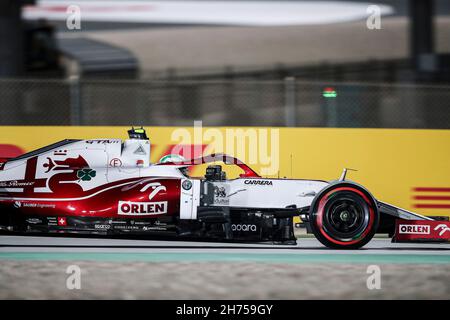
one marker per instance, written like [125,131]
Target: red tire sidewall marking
[320,213]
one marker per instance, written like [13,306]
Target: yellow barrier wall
[395,165]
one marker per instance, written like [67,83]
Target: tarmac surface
[40,268]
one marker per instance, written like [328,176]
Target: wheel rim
[345,216]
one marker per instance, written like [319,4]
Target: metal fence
[222,103]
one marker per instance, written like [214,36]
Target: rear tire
[344,216]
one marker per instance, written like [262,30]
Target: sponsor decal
[101,141]
[141,223]
[410,230]
[140,150]
[414,229]
[156,188]
[187,184]
[155,228]
[220,192]
[442,228]
[131,208]
[115,162]
[259,182]
[15,184]
[62,221]
[86,174]
[102,226]
[38,205]
[244,227]
[118,222]
[33,220]
[17,204]
[127,227]
[61,180]
[221,195]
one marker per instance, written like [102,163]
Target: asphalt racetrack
[36,268]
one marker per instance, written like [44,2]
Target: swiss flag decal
[62,221]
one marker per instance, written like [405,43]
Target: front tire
[344,216]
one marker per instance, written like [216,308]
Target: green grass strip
[230,257]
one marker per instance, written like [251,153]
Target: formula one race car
[108,187]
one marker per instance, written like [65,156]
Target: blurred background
[247,63]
